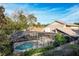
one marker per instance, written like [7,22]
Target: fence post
[37,39]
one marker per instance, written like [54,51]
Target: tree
[31,19]
[21,20]
[2,21]
[76,23]
[2,16]
[59,39]
[10,26]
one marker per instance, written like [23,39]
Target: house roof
[69,31]
[61,22]
[66,29]
[72,25]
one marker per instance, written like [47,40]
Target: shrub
[6,47]
[67,38]
[38,50]
[59,39]
[75,48]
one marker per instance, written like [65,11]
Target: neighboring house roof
[72,25]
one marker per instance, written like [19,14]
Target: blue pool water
[23,47]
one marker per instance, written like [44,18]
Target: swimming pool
[23,47]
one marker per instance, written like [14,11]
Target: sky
[47,12]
